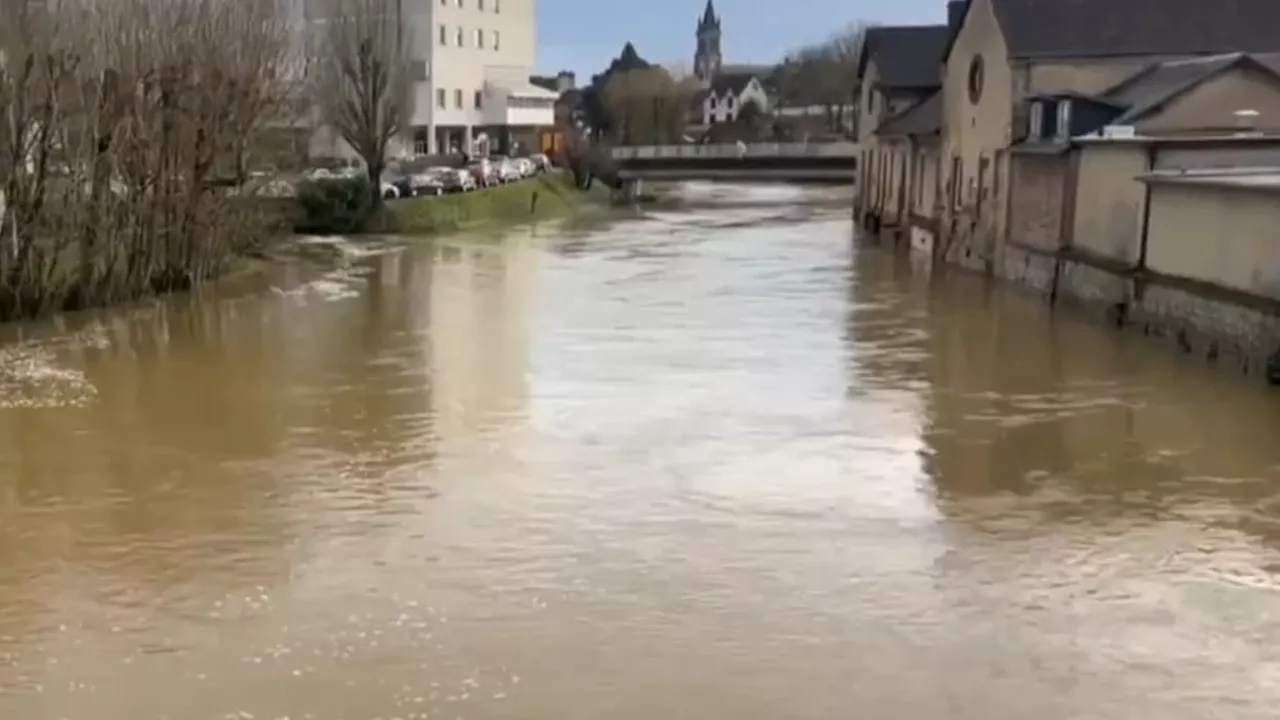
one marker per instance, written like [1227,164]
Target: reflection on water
[712,463]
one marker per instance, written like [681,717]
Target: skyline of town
[572,35]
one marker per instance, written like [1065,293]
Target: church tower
[706,62]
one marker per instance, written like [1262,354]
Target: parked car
[542,161]
[509,172]
[525,166]
[429,182]
[403,185]
[484,173]
[459,181]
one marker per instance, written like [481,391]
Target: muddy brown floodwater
[708,464]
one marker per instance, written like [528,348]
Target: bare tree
[823,74]
[363,72]
[129,128]
[646,107]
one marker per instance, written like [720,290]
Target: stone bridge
[793,162]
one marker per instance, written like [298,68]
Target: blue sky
[583,35]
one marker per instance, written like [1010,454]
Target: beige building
[1005,52]
[900,68]
[1074,187]
[471,61]
[911,197]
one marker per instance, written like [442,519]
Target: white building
[471,61]
[728,94]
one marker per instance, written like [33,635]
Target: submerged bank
[1223,326]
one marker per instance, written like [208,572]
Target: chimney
[1246,121]
[565,80]
[955,13]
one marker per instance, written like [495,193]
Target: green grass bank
[544,197]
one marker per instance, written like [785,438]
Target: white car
[525,167]
[508,171]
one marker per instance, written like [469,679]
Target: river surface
[719,463]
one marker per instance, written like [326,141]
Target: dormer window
[1064,119]
[1036,129]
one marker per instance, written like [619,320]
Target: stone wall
[1036,200]
[1223,332]
[1031,270]
[1230,333]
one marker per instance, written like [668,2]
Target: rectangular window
[442,101]
[495,40]
[457,99]
[1036,131]
[480,39]
[1064,119]
[919,187]
[983,164]
[444,36]
[957,182]
[995,174]
[480,5]
[461,38]
[479,99]
[497,5]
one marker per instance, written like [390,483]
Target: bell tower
[707,60]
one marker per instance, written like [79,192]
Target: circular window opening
[975,79]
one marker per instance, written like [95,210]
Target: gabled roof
[626,61]
[732,83]
[1157,85]
[906,56]
[1109,28]
[760,71]
[923,118]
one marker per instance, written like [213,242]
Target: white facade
[725,105]
[472,63]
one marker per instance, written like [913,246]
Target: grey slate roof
[734,83]
[1160,83]
[906,56]
[923,118]
[1095,28]
[759,71]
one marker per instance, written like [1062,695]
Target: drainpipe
[1140,267]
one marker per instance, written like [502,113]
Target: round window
[975,79]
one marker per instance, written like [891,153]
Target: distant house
[724,88]
[728,95]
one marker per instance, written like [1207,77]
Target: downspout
[1140,268]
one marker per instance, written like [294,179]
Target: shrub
[338,206]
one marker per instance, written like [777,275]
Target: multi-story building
[471,62]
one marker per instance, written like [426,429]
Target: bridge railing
[798,150]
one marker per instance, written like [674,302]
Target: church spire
[709,19]
[706,61]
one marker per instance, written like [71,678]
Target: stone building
[1122,157]
[900,69]
[1006,51]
